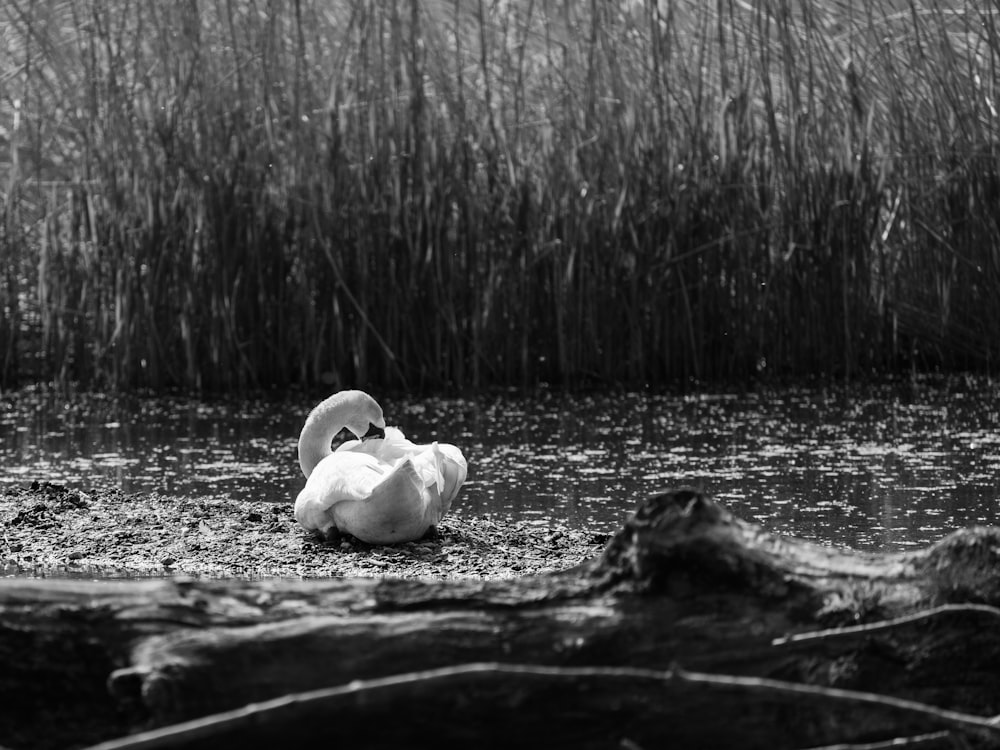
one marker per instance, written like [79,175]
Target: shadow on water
[873,468]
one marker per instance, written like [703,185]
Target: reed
[459,193]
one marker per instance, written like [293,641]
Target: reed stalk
[430,194]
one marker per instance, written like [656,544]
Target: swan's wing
[427,464]
[339,477]
[441,466]
[454,468]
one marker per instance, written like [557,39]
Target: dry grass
[429,194]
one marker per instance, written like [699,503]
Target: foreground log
[693,628]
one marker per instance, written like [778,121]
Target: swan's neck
[355,410]
[314,444]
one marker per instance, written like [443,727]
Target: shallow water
[872,468]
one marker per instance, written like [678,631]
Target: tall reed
[224,194]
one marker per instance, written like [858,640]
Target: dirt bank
[48,529]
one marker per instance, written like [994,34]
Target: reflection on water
[873,468]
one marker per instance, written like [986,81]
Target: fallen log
[693,627]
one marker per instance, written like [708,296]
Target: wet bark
[693,628]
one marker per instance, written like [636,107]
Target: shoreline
[50,530]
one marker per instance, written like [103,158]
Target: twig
[402,685]
[874,627]
[929,741]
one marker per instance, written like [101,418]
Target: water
[873,468]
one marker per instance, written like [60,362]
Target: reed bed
[229,194]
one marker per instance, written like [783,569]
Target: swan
[379,487]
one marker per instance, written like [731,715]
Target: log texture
[693,629]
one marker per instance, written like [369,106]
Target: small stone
[346,546]
[75,555]
[166,562]
[254,516]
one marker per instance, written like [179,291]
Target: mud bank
[51,530]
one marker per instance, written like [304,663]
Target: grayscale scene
[499,374]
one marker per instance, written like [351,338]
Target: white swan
[381,488]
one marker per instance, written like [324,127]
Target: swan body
[381,487]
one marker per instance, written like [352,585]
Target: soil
[48,529]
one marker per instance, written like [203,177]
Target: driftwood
[693,629]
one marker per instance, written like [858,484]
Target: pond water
[877,468]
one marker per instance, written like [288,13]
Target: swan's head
[355,410]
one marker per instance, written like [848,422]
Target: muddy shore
[52,530]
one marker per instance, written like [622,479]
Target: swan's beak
[373,432]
